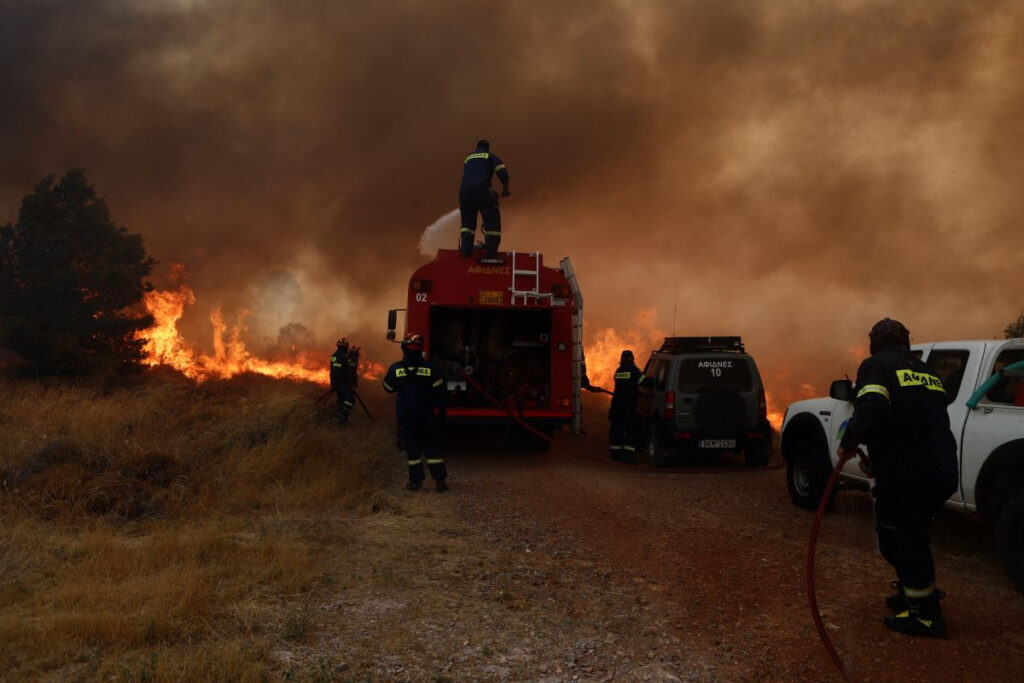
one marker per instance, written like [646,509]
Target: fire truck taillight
[420,284]
[565,403]
[560,290]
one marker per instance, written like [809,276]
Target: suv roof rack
[691,344]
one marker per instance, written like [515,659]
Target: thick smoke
[788,171]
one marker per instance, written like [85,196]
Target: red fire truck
[510,324]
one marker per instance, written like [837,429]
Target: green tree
[71,281]
[1016,328]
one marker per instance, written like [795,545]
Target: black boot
[922,617]
[897,602]
[413,486]
[442,485]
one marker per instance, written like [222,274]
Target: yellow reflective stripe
[435,461]
[630,448]
[423,372]
[478,155]
[438,383]
[399,372]
[418,461]
[388,386]
[641,378]
[499,167]
[903,615]
[874,389]
[621,375]
[615,448]
[909,378]
[468,230]
[349,403]
[492,233]
[336,365]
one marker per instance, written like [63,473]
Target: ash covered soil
[555,567]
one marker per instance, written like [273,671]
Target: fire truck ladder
[577,346]
[517,272]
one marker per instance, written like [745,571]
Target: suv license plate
[717,443]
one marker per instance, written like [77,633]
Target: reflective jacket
[342,373]
[628,378]
[419,386]
[478,169]
[900,415]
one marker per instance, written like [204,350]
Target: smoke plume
[789,171]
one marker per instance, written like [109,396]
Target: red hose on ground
[811,597]
[572,449]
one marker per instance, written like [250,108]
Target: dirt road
[715,566]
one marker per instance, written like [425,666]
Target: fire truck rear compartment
[507,351]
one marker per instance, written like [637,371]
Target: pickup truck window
[948,365]
[1009,390]
[697,375]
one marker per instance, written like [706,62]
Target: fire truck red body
[508,322]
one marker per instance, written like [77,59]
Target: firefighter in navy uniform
[476,196]
[419,408]
[624,430]
[343,380]
[900,415]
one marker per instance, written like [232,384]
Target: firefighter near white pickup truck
[983,383]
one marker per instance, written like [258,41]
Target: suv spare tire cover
[720,412]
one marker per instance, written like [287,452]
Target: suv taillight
[670,403]
[762,405]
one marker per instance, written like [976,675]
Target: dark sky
[788,171]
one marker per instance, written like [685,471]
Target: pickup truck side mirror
[392,322]
[841,390]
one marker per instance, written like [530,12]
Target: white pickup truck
[984,384]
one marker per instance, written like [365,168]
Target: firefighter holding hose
[624,430]
[476,196]
[419,408]
[900,415]
[344,361]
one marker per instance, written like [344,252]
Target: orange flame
[165,345]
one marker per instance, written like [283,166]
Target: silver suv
[705,396]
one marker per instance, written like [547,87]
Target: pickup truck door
[995,421]
[958,366]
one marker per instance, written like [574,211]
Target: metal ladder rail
[577,346]
[517,272]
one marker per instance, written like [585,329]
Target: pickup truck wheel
[806,476]
[1010,537]
[657,454]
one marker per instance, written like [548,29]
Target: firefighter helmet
[626,355]
[888,332]
[412,342]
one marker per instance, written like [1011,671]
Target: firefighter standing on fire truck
[624,430]
[344,362]
[421,392]
[476,196]
[900,415]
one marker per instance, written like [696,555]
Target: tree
[1016,328]
[71,281]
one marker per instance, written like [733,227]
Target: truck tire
[806,474]
[1010,538]
[657,454]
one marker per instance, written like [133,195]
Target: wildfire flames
[164,344]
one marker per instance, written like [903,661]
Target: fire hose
[811,597]
[579,451]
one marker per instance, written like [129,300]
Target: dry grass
[168,531]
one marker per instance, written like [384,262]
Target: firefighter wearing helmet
[624,430]
[419,408]
[900,415]
[344,361]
